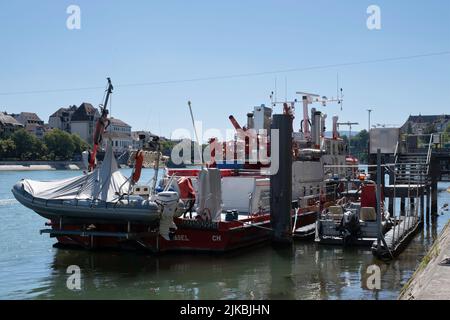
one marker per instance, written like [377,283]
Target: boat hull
[191,235]
[73,211]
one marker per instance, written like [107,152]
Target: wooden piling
[422,207]
[434,173]
[428,203]
[402,206]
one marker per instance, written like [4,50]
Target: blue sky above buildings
[136,42]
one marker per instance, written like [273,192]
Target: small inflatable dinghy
[97,197]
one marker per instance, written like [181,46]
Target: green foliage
[7,148]
[359,145]
[60,144]
[27,146]
[56,145]
[80,144]
[446,135]
[167,146]
[447,130]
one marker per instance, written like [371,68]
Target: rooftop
[60,111]
[117,135]
[118,122]
[25,117]
[7,119]
[85,112]
[428,118]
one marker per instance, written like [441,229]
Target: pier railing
[406,219]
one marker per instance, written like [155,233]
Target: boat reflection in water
[304,271]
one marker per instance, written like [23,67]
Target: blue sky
[152,41]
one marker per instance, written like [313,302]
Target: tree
[28,147]
[7,149]
[359,145]
[60,144]
[80,144]
[446,134]
[167,146]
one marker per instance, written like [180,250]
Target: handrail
[396,152]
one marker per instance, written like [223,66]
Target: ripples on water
[30,268]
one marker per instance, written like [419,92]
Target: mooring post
[391,196]
[379,174]
[391,204]
[402,206]
[434,197]
[434,172]
[428,203]
[281,181]
[422,205]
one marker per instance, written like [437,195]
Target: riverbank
[431,281]
[40,165]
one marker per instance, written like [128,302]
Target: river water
[30,268]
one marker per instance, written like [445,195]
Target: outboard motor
[168,200]
[350,228]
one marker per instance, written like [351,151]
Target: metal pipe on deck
[281,182]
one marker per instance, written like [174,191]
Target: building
[27,118]
[61,119]
[32,123]
[83,121]
[8,125]
[143,139]
[120,134]
[424,124]
[36,129]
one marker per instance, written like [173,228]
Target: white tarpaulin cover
[104,184]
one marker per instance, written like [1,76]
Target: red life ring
[139,160]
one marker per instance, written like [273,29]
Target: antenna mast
[195,132]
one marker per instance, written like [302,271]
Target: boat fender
[139,160]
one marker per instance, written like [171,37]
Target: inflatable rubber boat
[101,196]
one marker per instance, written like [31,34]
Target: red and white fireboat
[217,208]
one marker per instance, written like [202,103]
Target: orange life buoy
[139,161]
